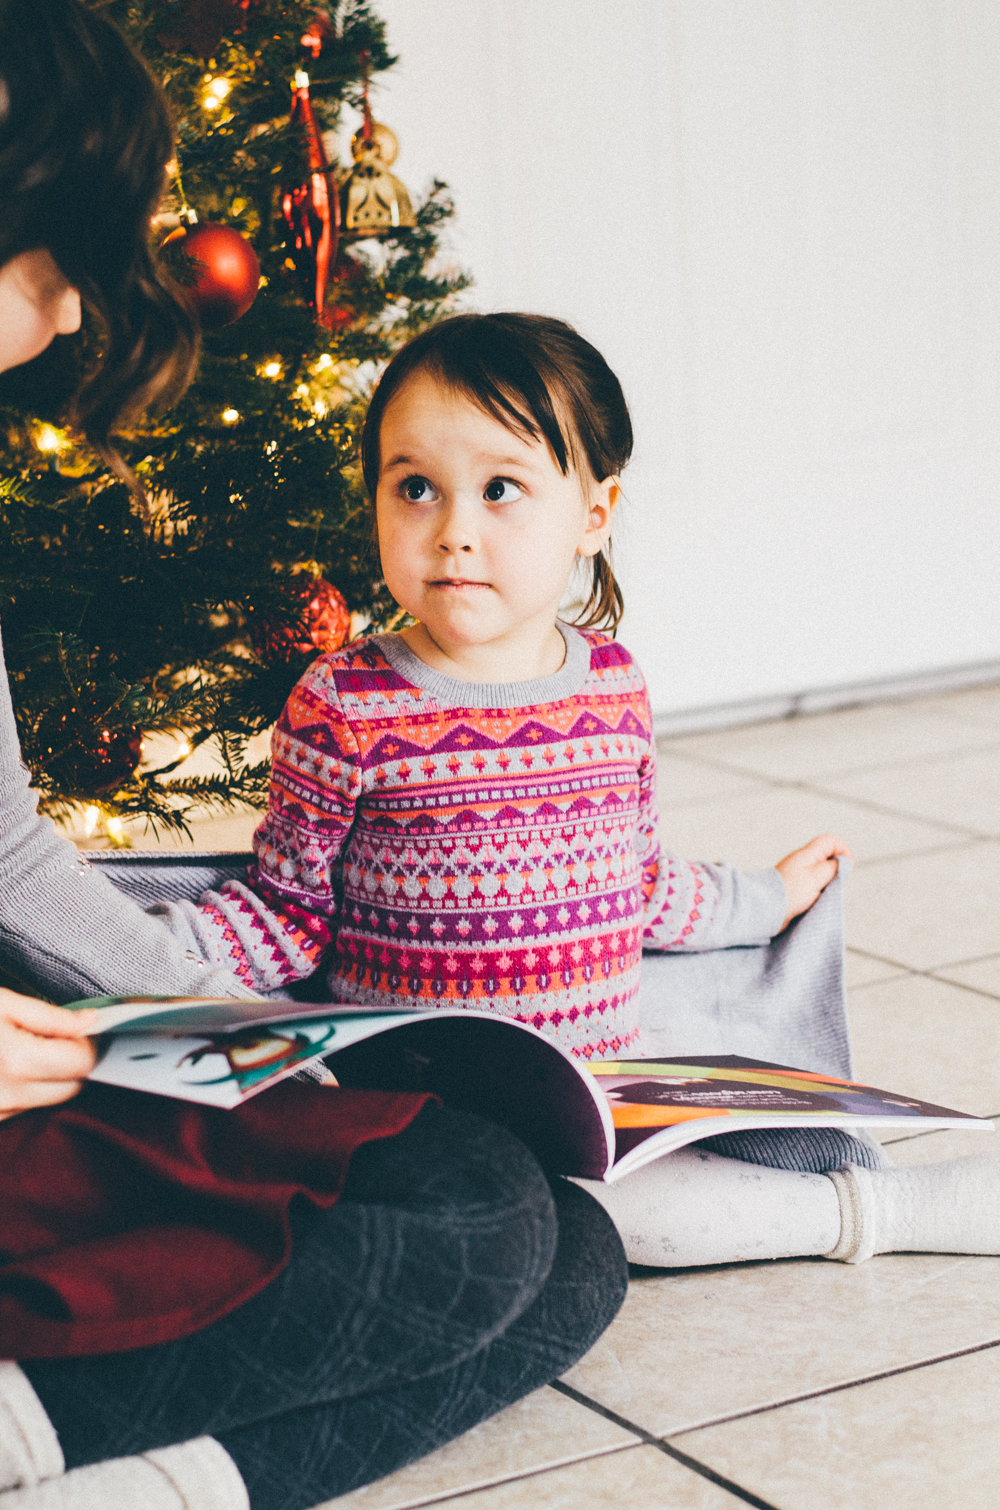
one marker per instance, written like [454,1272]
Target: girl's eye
[502,490]
[418,490]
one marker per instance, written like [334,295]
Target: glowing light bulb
[302,391]
[183,750]
[230,416]
[216,90]
[272,369]
[326,360]
[116,831]
[91,815]
[49,440]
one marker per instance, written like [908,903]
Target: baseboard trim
[758,710]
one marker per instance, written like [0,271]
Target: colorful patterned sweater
[434,842]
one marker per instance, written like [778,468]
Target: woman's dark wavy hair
[85,137]
[524,370]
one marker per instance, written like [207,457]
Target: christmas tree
[191,605]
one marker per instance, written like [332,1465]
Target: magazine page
[658,1106]
[226,1069]
[501,1069]
[208,1014]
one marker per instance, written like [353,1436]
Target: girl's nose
[456,533]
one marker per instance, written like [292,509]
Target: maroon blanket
[128,1219]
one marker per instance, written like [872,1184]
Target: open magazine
[599,1120]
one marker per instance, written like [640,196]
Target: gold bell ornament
[375,201]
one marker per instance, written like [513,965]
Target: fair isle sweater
[434,842]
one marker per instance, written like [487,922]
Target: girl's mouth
[455,584]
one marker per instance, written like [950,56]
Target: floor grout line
[802,784]
[761,1410]
[478,1487]
[702,1469]
[714,763]
[930,973]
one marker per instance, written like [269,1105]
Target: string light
[272,369]
[230,416]
[91,816]
[326,360]
[183,750]
[302,391]
[116,831]
[216,91]
[49,440]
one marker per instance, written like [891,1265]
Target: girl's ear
[602,498]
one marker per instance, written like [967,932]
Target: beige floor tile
[681,781]
[859,970]
[758,828]
[963,790]
[928,910]
[693,1345]
[980,974]
[927,1038]
[540,1432]
[930,1148]
[807,749]
[642,1478]
[925,1440]
[976,704]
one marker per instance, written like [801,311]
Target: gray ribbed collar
[566,682]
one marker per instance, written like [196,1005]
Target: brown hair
[520,369]
[85,137]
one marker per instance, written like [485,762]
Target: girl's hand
[44,1052]
[806,871]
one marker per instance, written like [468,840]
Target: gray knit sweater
[65,931]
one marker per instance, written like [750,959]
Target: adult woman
[448,1279]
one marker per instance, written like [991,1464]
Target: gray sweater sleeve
[65,930]
[694,905]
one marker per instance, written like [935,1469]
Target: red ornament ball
[100,759]
[324,622]
[226,274]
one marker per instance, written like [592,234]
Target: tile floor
[805,1385]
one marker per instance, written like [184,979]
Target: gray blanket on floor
[783,1001]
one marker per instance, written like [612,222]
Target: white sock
[693,1207]
[29,1447]
[951,1207]
[196,1475]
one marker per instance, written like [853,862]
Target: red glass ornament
[324,622]
[98,760]
[226,283]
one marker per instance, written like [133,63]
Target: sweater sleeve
[274,928]
[65,930]
[693,905]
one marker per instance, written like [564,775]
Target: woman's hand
[806,871]
[44,1052]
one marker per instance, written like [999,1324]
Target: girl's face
[479,531]
[36,304]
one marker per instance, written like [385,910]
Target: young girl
[464,812]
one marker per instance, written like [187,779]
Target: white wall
[780,221]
